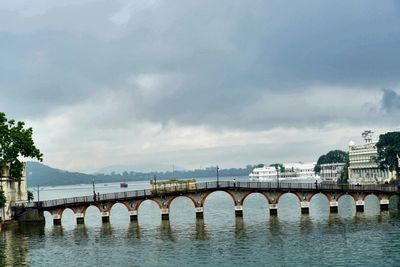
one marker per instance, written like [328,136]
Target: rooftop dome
[351,143]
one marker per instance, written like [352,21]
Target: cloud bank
[198,83]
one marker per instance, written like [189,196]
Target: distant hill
[44,175]
[40,174]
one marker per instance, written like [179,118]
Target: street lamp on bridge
[217,176]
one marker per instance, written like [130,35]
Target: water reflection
[274,225]
[106,230]
[305,223]
[13,247]
[57,230]
[200,230]
[240,228]
[80,231]
[222,239]
[134,230]
[165,231]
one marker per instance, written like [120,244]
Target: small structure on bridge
[172,185]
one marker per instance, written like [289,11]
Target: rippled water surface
[371,238]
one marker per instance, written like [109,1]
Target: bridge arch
[354,196]
[112,204]
[48,216]
[371,203]
[171,199]
[371,194]
[289,193]
[327,195]
[67,216]
[97,206]
[138,203]
[269,201]
[209,193]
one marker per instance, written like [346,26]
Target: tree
[388,148]
[16,142]
[260,165]
[344,176]
[2,199]
[30,196]
[333,156]
[278,166]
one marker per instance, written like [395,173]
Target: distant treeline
[39,174]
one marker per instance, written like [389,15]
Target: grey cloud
[229,54]
[390,101]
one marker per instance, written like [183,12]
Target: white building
[264,174]
[299,170]
[293,171]
[331,172]
[363,168]
[13,191]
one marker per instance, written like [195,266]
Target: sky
[147,85]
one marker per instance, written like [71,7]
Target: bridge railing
[202,186]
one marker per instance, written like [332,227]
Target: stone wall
[14,191]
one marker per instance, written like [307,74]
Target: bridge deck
[213,186]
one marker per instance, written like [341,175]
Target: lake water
[347,238]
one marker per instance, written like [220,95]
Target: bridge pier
[56,219]
[80,218]
[384,204]
[164,214]
[133,214]
[199,212]
[273,210]
[305,207]
[333,206]
[105,217]
[239,211]
[360,205]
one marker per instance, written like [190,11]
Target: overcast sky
[150,84]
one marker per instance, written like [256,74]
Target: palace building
[363,168]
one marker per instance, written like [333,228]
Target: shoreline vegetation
[40,174]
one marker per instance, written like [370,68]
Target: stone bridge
[238,191]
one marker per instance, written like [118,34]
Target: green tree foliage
[16,142]
[344,177]
[30,195]
[260,165]
[333,156]
[278,166]
[2,199]
[388,151]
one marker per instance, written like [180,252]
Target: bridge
[238,191]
